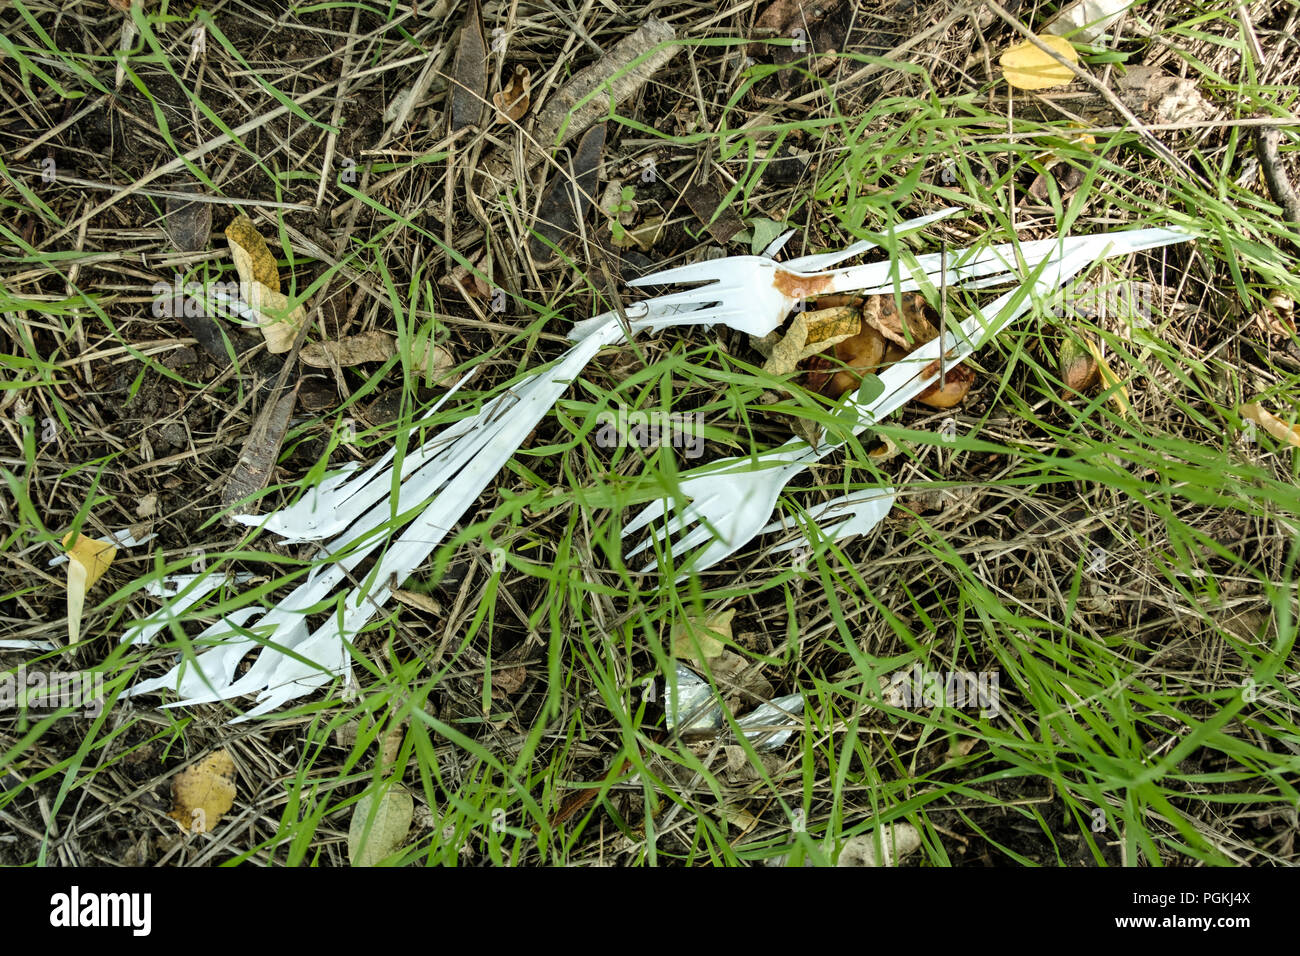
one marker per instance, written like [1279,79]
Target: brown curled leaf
[513,101]
[905,323]
[350,350]
[188,224]
[956,384]
[1079,369]
[809,334]
[860,355]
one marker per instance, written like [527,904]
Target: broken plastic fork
[738,303]
[725,507]
[843,517]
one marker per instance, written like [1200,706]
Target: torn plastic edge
[770,725]
[330,506]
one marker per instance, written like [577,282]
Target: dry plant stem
[217,142]
[1161,150]
[331,140]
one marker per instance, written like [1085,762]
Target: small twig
[1279,185]
[1106,92]
[943,306]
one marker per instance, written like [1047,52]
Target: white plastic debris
[693,708]
[121,539]
[441,480]
[183,591]
[771,724]
[1087,20]
[842,517]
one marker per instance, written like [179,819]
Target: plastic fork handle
[903,382]
[427,531]
[973,264]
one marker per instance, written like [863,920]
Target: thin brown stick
[1267,142]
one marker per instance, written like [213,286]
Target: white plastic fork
[726,504]
[755,294]
[472,452]
[736,306]
[843,517]
[340,499]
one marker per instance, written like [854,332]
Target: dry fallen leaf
[435,364]
[469,74]
[886,335]
[1110,380]
[374,835]
[896,841]
[1026,67]
[506,681]
[257,457]
[1278,320]
[693,640]
[1271,423]
[809,334]
[905,323]
[568,197]
[201,794]
[865,337]
[252,258]
[513,101]
[259,275]
[956,383]
[189,223]
[741,681]
[350,350]
[1079,369]
[88,559]
[739,817]
[643,236]
[1159,98]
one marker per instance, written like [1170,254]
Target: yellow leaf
[1271,423]
[1026,67]
[811,333]
[696,641]
[201,794]
[253,260]
[88,559]
[260,277]
[1110,380]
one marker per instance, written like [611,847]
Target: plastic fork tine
[711,315]
[828,260]
[651,512]
[711,554]
[707,271]
[857,512]
[714,292]
[697,536]
[677,523]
